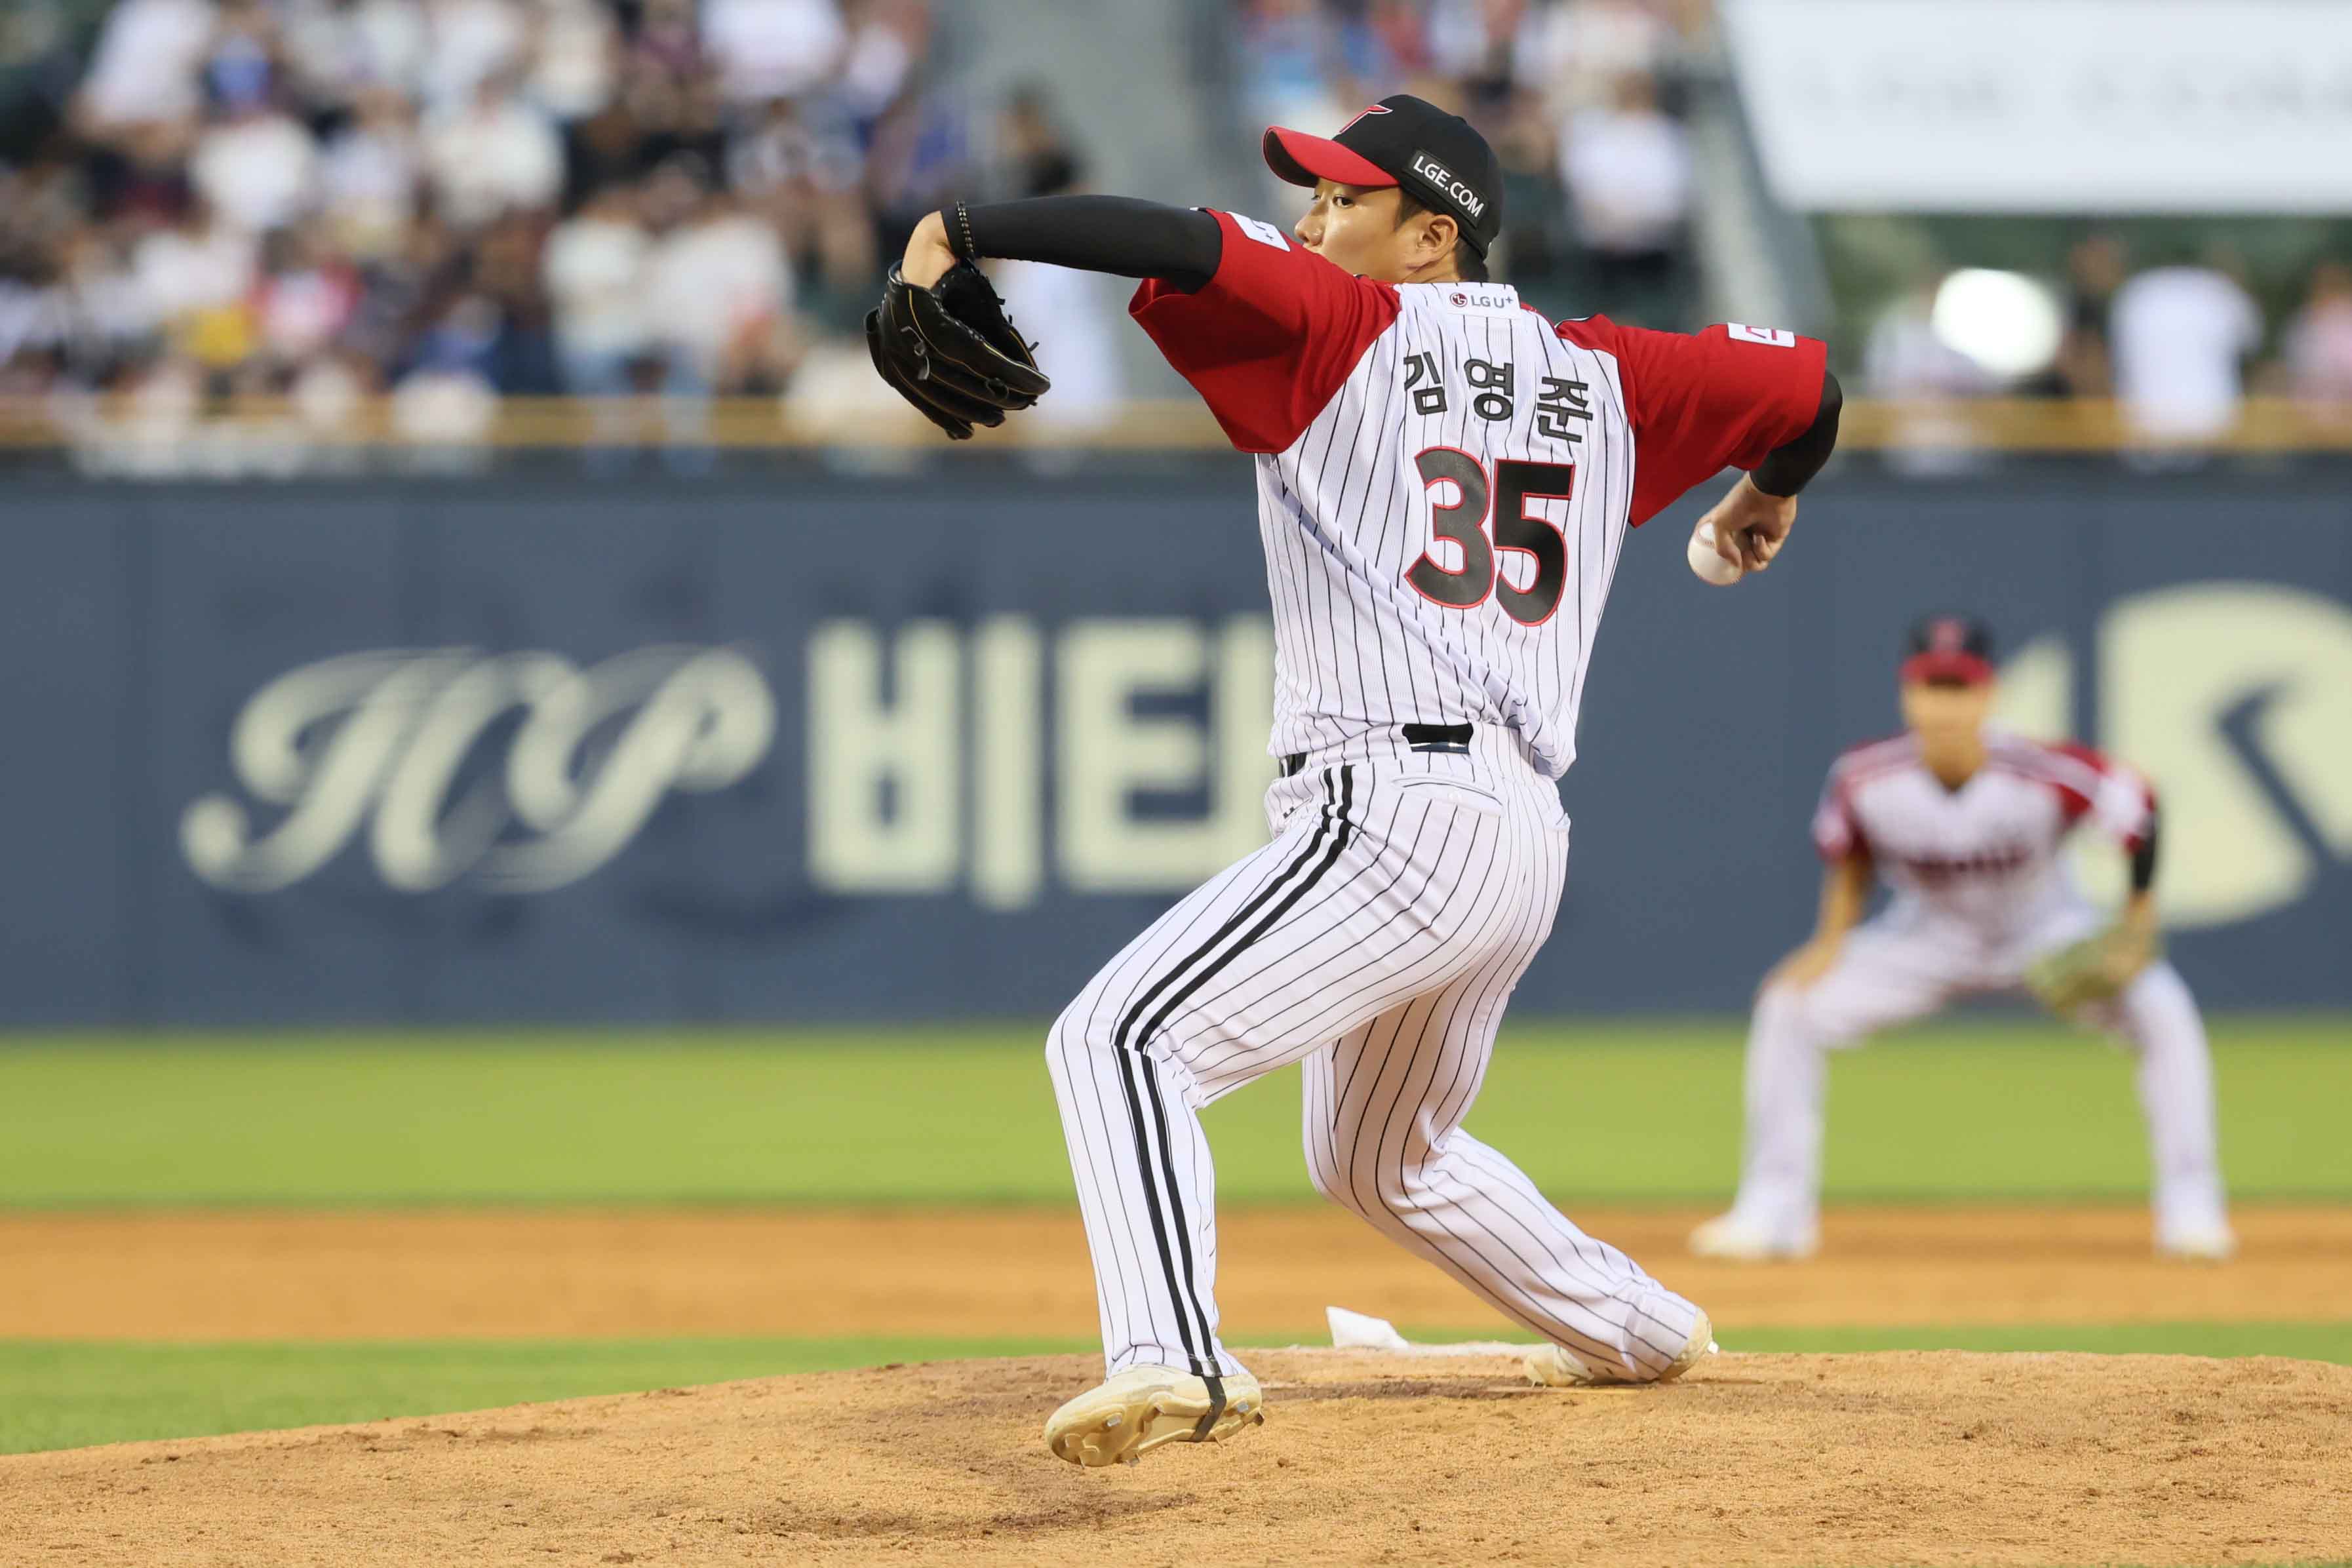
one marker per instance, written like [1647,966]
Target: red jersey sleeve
[1271,338]
[2104,790]
[1701,402]
[1837,831]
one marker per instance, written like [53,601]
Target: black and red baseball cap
[1947,650]
[1411,144]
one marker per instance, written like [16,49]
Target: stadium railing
[2264,424]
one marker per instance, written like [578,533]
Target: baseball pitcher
[1965,823]
[1444,485]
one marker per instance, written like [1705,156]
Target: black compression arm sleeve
[1102,234]
[2143,873]
[1785,470]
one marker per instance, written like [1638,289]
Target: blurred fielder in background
[1965,822]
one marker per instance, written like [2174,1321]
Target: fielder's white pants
[1376,940]
[1902,966]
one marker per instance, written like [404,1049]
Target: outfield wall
[554,747]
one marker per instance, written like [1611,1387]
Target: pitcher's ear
[1441,234]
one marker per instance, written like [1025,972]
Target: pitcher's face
[1355,228]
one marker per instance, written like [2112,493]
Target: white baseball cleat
[2198,1244]
[1146,1406]
[1733,1239]
[1556,1367]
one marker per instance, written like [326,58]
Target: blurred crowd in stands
[452,200]
[2176,337]
[460,198]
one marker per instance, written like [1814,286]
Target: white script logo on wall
[374,743]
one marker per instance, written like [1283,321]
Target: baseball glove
[2092,969]
[952,352]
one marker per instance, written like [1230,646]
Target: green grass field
[1615,1113]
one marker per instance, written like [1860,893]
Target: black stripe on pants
[1129,1043]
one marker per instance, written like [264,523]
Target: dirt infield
[477,1273]
[1915,1457]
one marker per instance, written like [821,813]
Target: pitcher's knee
[1328,1178]
[1358,1186]
[1075,1034]
[1329,1168]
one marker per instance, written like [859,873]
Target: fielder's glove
[2092,970]
[952,352]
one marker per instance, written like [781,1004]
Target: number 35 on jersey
[1517,531]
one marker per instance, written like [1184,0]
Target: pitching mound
[1914,1458]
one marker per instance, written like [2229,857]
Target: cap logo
[1949,636]
[1370,109]
[1438,174]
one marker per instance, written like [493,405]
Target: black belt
[1454,738]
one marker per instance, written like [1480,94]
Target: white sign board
[2056,106]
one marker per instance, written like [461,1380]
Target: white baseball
[1709,566]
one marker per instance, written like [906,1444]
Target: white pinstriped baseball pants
[1375,941]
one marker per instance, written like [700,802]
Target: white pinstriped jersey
[1446,478]
[1986,855]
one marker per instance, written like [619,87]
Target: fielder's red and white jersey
[1986,854]
[1446,478]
